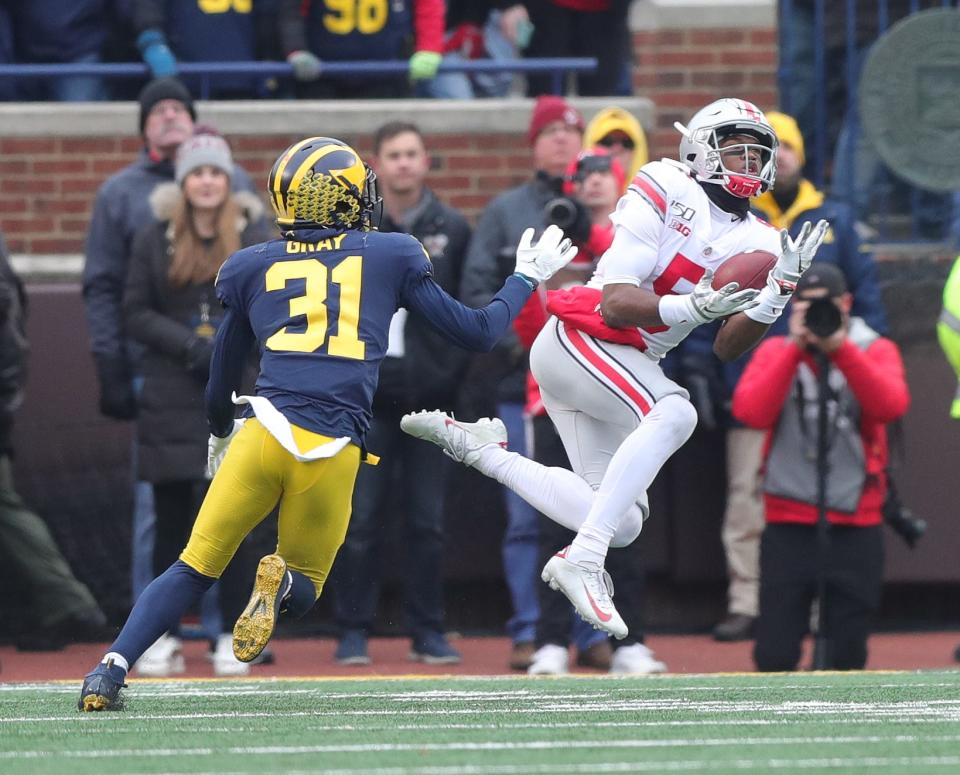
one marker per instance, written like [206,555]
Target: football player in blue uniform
[318,301]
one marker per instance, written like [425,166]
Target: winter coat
[428,375]
[874,376]
[121,209]
[13,347]
[491,258]
[171,425]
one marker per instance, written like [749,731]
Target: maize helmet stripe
[322,182]
[306,165]
[274,184]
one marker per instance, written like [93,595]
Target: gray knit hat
[201,149]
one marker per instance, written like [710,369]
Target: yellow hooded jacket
[948,329]
[617,119]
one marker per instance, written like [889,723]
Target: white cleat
[224,662]
[550,659]
[635,660]
[589,587]
[164,658]
[461,441]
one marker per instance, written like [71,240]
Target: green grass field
[850,723]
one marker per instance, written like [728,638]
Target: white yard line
[492,745]
[910,710]
[763,765]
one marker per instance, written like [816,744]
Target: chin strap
[735,205]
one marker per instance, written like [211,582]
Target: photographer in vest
[779,392]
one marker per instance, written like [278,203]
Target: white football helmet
[700,145]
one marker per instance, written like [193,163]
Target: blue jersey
[345,31]
[319,303]
[201,31]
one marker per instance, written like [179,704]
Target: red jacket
[534,315]
[876,378]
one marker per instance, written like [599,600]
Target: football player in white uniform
[596,360]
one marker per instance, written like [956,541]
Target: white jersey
[668,233]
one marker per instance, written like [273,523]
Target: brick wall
[681,70]
[48,181]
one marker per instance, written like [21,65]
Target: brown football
[750,269]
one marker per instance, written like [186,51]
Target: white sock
[118,660]
[557,493]
[632,470]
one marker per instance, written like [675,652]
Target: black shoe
[735,627]
[432,648]
[521,655]
[598,656]
[101,688]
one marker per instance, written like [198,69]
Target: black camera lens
[561,211]
[823,317]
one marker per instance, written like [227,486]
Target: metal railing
[208,72]
[808,86]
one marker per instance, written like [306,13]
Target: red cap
[615,168]
[548,109]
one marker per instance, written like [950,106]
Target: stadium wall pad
[72,465]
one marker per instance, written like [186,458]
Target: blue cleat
[101,688]
[432,648]
[254,628]
[352,649]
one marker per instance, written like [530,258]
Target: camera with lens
[569,214]
[561,211]
[900,518]
[823,317]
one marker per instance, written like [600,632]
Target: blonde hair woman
[172,311]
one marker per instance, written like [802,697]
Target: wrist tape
[677,309]
[770,307]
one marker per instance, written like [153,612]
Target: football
[750,269]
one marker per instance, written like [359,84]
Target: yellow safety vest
[948,329]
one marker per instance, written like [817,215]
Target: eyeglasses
[590,164]
[611,140]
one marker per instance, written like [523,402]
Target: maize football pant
[315,501]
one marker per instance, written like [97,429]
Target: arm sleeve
[148,15]
[104,276]
[428,25]
[876,377]
[291,27]
[531,318]
[230,350]
[472,329]
[765,384]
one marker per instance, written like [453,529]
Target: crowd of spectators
[132,236]
[309,36]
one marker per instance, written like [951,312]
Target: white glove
[217,448]
[795,257]
[542,261]
[705,303]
